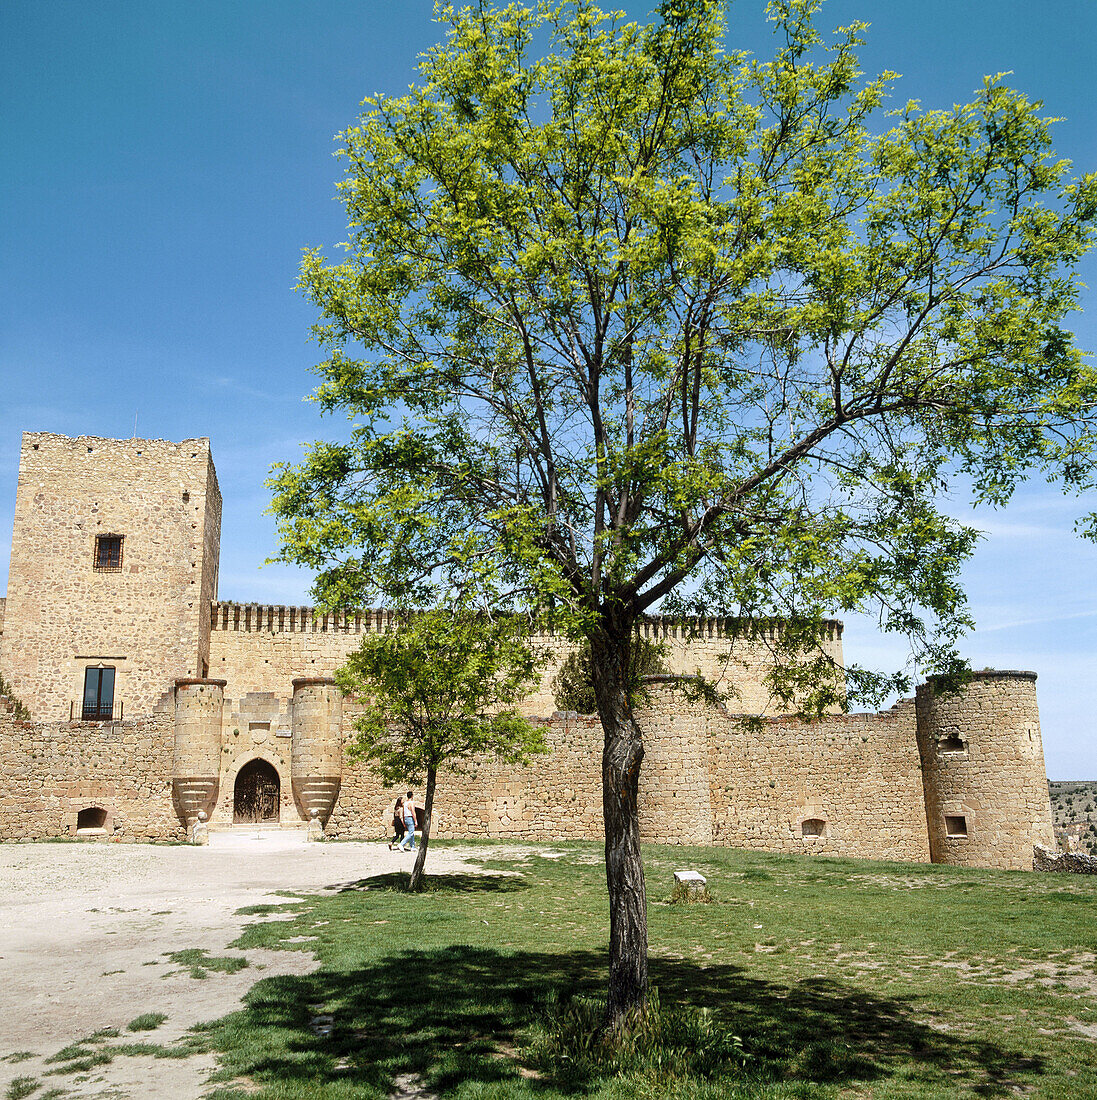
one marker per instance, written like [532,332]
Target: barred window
[98,694]
[108,553]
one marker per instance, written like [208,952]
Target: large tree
[625,320]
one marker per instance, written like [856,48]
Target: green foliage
[440,689]
[21,1087]
[573,685]
[667,1046]
[643,319]
[19,710]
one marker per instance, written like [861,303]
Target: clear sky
[164,163]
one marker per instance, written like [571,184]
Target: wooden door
[255,797]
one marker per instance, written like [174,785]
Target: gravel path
[84,929]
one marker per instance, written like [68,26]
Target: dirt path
[85,928]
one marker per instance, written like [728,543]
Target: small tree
[440,689]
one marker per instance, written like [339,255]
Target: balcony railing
[80,711]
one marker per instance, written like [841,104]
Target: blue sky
[165,163]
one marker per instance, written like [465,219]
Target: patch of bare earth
[85,930]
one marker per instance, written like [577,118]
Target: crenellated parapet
[264,646]
[286,619]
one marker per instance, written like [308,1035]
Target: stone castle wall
[146,620]
[849,785]
[957,779]
[259,649]
[52,771]
[706,779]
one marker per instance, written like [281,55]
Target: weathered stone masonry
[230,710]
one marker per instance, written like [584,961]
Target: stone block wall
[263,648]
[705,779]
[558,797]
[847,785]
[149,619]
[1071,863]
[49,772]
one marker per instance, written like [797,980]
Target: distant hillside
[1074,810]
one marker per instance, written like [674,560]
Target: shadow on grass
[447,1014]
[455,883]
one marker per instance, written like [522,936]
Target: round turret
[316,764]
[197,763]
[983,771]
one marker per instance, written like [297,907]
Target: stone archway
[255,797]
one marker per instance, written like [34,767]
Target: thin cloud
[1036,622]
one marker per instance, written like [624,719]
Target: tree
[437,690]
[639,322]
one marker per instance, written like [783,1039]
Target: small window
[813,826]
[98,703]
[955,825]
[91,821]
[951,745]
[108,553]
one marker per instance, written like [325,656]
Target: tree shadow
[437,884]
[451,1015]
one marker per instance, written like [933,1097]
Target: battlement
[288,619]
[45,445]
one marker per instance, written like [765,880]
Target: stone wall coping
[188,681]
[995,674]
[131,441]
[311,681]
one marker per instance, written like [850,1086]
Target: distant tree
[573,685]
[646,322]
[438,690]
[18,709]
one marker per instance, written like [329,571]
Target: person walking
[409,823]
[397,823]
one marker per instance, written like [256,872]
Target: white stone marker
[689,882]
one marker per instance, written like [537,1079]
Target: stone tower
[113,569]
[983,772]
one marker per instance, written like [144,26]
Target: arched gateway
[255,796]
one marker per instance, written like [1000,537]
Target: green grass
[817,979]
[21,1087]
[200,964]
[147,1021]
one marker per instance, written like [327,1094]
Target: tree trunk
[622,754]
[416,880]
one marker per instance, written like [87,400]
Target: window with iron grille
[108,553]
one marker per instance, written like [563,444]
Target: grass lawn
[804,977]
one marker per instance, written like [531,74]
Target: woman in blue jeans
[409,824]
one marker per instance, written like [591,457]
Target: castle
[152,701]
